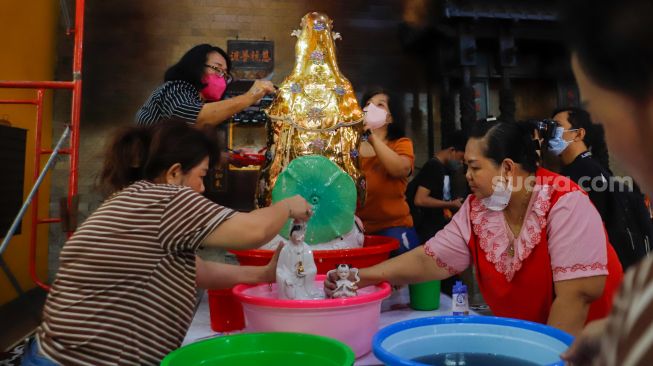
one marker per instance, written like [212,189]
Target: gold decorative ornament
[315,111]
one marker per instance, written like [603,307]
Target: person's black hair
[137,153]
[594,135]
[612,41]
[507,140]
[456,139]
[190,67]
[396,129]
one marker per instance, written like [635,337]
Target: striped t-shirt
[175,98]
[628,337]
[125,290]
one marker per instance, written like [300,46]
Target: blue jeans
[31,356]
[407,237]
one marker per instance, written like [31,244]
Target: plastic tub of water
[273,349]
[470,341]
[351,320]
[375,250]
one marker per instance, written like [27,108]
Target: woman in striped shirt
[125,290]
[193,90]
[612,59]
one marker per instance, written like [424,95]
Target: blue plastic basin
[399,343]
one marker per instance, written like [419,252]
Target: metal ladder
[72,129]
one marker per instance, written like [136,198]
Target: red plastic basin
[375,250]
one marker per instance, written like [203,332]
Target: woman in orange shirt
[387,160]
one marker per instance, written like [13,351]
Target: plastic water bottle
[460,303]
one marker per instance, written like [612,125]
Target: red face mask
[215,87]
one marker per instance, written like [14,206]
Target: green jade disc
[325,186]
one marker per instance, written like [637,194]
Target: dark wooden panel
[12,160]
[240,192]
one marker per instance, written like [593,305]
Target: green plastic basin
[268,349]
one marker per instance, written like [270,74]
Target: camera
[544,127]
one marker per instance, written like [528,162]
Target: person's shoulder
[403,144]
[403,140]
[434,162]
[149,194]
[181,197]
[177,85]
[587,164]
[432,165]
[151,188]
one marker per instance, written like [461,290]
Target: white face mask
[500,197]
[375,117]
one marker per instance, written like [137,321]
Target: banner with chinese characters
[251,59]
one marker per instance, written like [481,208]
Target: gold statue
[315,111]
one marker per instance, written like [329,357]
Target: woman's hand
[455,204]
[214,113]
[330,285]
[298,208]
[270,270]
[259,89]
[586,346]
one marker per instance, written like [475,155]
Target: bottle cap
[459,287]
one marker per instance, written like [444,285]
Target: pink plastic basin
[353,320]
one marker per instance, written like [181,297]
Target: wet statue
[296,267]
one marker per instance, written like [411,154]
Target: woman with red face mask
[193,90]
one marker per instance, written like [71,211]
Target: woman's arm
[572,301]
[587,345]
[253,229]
[215,275]
[575,237]
[442,256]
[214,113]
[412,267]
[423,199]
[398,166]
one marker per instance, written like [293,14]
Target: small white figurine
[345,287]
[296,268]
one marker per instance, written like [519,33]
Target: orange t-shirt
[385,205]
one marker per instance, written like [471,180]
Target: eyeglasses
[218,70]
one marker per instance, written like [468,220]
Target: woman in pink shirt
[536,240]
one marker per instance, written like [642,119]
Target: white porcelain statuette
[346,284]
[296,268]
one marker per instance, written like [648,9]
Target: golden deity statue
[315,111]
